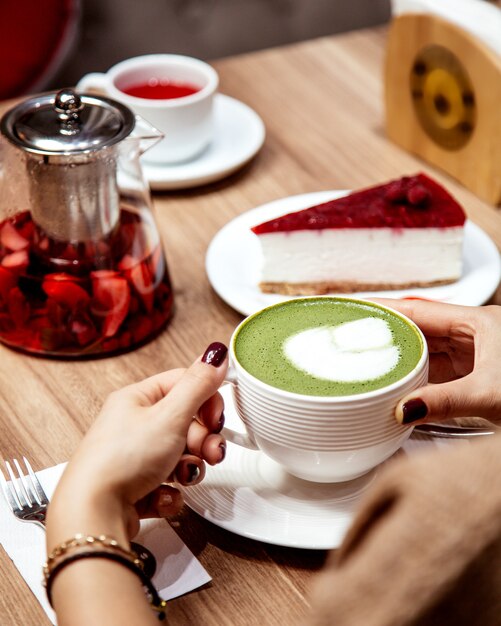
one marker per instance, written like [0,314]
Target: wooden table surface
[321,102]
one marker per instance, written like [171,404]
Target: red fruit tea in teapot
[85,298]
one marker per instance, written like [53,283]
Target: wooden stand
[443,100]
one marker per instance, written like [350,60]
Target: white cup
[186,122]
[322,438]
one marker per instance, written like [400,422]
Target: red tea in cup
[174,93]
[160,89]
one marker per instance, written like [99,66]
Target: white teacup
[185,121]
[323,438]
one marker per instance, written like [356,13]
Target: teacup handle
[95,81]
[240,439]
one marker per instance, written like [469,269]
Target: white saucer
[234,257]
[238,136]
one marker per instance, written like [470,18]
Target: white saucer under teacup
[239,134]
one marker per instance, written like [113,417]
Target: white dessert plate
[234,257]
[252,496]
[238,136]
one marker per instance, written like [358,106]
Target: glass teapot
[82,271]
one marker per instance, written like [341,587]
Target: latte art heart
[355,351]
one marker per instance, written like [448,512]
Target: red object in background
[35,37]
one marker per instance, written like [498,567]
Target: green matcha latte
[327,346]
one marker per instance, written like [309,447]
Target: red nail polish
[215,354]
[414,410]
[220,424]
[193,472]
[222,447]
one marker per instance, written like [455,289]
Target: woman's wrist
[91,508]
[87,511]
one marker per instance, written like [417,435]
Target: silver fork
[28,501]
[24,493]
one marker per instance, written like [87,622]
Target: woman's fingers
[191,387]
[151,390]
[189,470]
[214,449]
[464,345]
[473,395]
[164,501]
[198,383]
[435,319]
[442,369]
[211,413]
[208,446]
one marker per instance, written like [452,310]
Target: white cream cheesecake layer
[370,255]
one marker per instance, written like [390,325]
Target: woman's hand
[465,362]
[163,428]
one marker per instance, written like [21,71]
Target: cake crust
[323,288]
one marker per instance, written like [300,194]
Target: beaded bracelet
[112,551]
[80,540]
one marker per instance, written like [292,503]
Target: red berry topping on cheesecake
[398,204]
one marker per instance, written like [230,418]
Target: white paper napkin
[475,16]
[178,571]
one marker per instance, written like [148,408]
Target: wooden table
[321,102]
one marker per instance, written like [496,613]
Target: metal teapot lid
[67,123]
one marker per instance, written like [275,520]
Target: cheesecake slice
[406,233]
